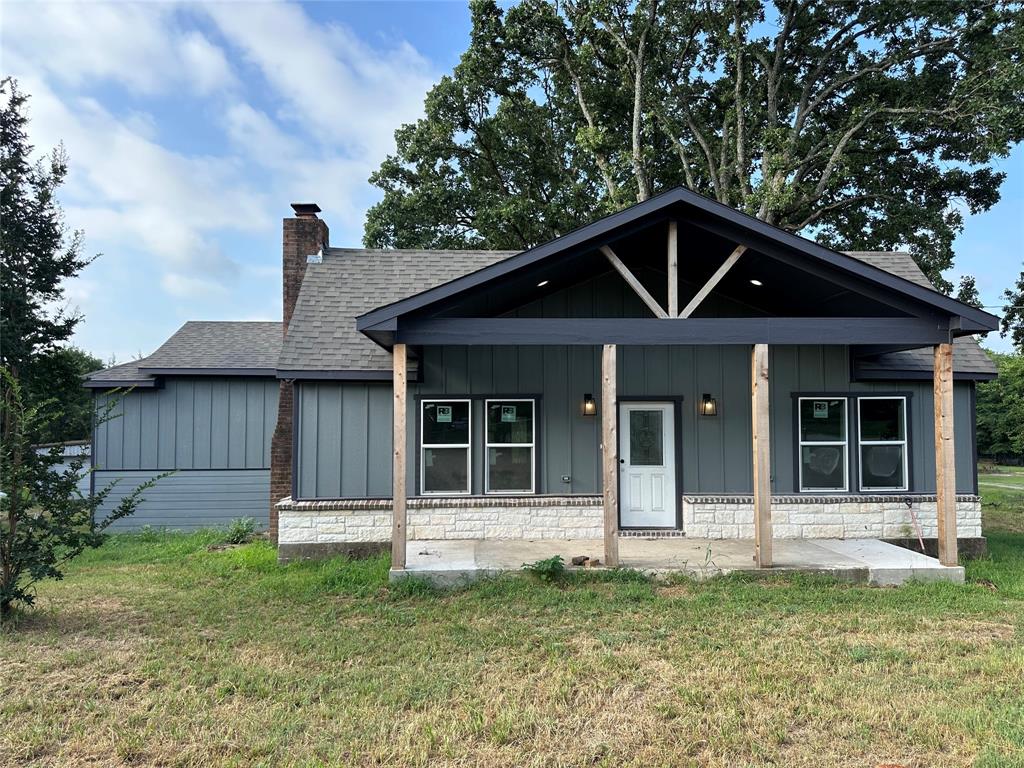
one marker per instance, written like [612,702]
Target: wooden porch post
[673,269]
[945,467]
[762,456]
[398,495]
[610,455]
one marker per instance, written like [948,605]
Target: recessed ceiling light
[542,283]
[755,281]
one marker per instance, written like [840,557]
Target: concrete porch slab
[450,562]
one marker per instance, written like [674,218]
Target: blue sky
[191,128]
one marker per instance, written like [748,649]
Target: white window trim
[531,445]
[904,442]
[468,446]
[844,443]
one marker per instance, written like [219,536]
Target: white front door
[647,465]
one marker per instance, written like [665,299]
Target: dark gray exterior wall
[343,433]
[213,432]
[196,422]
[345,428]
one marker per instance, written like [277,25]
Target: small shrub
[239,530]
[548,570]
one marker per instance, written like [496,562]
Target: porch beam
[652,331]
[945,466]
[714,280]
[610,454]
[634,283]
[398,490]
[673,268]
[760,433]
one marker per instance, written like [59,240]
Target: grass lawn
[157,651]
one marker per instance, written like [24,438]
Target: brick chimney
[305,234]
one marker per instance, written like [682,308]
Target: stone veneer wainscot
[580,517]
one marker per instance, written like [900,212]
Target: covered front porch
[816,298]
[862,561]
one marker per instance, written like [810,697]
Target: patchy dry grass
[157,651]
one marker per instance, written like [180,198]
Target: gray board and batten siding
[344,428]
[212,431]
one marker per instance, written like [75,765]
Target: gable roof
[123,375]
[218,346]
[323,342]
[201,348]
[322,337]
[713,215]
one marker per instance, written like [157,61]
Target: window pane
[444,470]
[823,467]
[510,422]
[882,419]
[822,420]
[445,423]
[882,467]
[510,469]
[646,443]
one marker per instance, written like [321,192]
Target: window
[823,444]
[510,444]
[444,440]
[882,429]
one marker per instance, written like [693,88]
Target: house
[675,369]
[203,406]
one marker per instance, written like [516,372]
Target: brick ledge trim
[477,502]
[440,502]
[845,498]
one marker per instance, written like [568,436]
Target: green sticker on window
[508,413]
[444,414]
[821,409]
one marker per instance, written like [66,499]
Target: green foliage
[240,530]
[37,251]
[1000,409]
[45,521]
[57,374]
[1013,315]
[549,570]
[856,122]
[967,291]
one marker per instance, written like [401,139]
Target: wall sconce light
[708,405]
[589,406]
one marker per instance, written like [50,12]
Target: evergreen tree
[38,252]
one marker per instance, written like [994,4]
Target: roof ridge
[346,249]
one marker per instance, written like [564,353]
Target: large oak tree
[858,123]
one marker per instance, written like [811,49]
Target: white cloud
[126,190]
[349,95]
[206,63]
[139,45]
[188,287]
[168,199]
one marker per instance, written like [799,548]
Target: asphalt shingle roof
[968,356]
[202,345]
[219,345]
[349,282]
[322,335]
[125,374]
